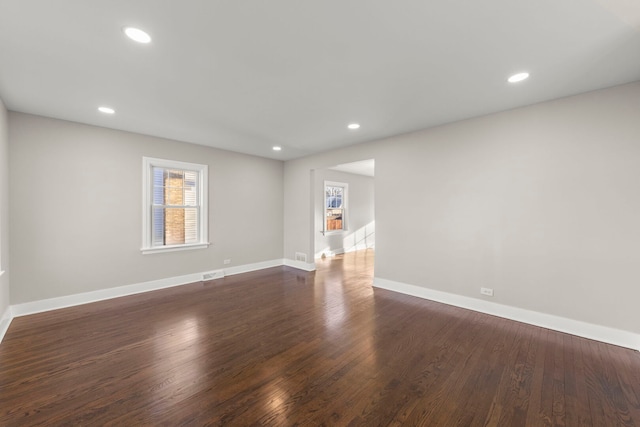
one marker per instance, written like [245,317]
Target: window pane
[158,196]
[173,178]
[334,219]
[334,196]
[174,226]
[334,204]
[190,178]
[191,225]
[157,225]
[173,188]
[190,188]
[158,179]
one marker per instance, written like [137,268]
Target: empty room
[331,213]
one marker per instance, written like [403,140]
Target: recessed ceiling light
[106,110]
[136,34]
[518,77]
[353,126]
[277,148]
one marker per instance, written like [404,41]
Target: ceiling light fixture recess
[277,148]
[518,77]
[353,126]
[106,110]
[136,34]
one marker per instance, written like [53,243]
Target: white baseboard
[574,327]
[306,266]
[104,294]
[49,304]
[246,268]
[40,306]
[5,321]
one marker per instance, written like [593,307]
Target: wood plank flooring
[284,347]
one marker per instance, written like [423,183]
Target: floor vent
[301,256]
[212,275]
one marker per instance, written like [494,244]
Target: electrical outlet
[227,261]
[301,256]
[486,291]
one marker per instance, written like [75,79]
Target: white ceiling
[362,167]
[247,75]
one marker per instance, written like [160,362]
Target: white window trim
[345,207]
[203,173]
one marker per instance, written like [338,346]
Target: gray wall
[360,232]
[76,208]
[539,203]
[4,215]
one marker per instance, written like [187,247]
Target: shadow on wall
[362,238]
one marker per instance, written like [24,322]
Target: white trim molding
[246,268]
[562,324]
[300,265]
[49,304]
[5,321]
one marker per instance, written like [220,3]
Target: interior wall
[76,208]
[539,203]
[4,219]
[360,233]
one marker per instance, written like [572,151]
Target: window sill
[175,248]
[333,232]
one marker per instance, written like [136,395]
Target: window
[174,205]
[335,203]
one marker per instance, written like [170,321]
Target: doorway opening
[344,209]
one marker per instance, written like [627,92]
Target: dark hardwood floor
[284,347]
